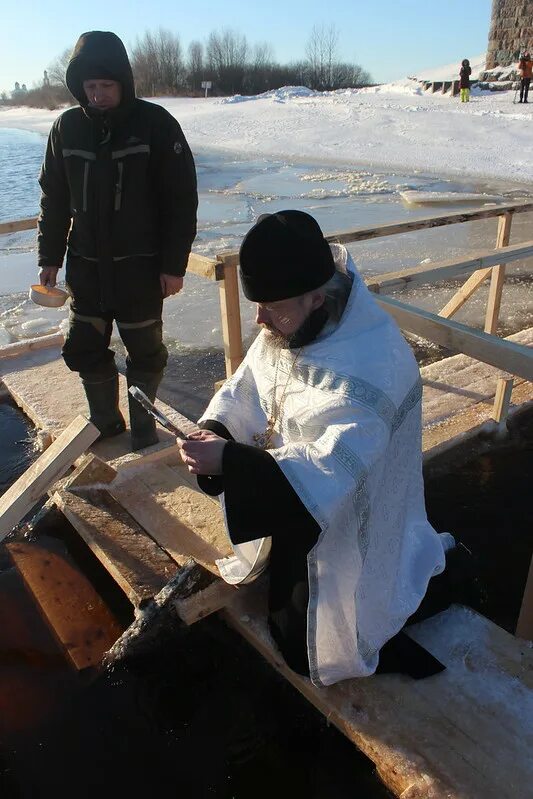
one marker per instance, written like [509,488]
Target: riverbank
[394,126]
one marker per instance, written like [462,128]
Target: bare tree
[258,76]
[157,63]
[226,59]
[195,64]
[321,54]
[58,68]
[324,69]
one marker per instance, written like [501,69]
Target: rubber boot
[102,396]
[143,430]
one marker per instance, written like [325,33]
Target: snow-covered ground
[395,126]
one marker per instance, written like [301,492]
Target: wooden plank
[471,285]
[464,293]
[506,355]
[185,523]
[420,275]
[504,390]
[524,627]
[203,603]
[434,737]
[31,344]
[89,471]
[78,617]
[230,313]
[183,520]
[498,276]
[18,225]
[425,223]
[49,467]
[202,266]
[134,461]
[132,558]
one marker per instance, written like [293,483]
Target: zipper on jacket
[85,184]
[118,187]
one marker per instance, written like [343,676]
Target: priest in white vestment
[314,448]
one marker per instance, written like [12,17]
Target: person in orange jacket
[525,70]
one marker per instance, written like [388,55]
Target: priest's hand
[202,452]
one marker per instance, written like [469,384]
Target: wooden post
[476,279]
[498,276]
[502,399]
[230,312]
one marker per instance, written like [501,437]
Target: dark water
[17,444]
[486,504]
[200,714]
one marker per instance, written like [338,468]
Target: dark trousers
[524,89]
[138,305]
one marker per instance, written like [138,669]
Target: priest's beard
[305,334]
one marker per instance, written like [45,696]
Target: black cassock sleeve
[261,502]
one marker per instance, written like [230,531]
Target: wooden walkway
[462,734]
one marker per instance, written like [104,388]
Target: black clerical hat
[284,255]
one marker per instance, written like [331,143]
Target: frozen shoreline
[395,126]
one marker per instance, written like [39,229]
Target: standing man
[119,196]
[315,444]
[525,70]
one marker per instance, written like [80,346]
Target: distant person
[464,80]
[119,195]
[525,70]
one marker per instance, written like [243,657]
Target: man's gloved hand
[48,276]
[170,284]
[202,452]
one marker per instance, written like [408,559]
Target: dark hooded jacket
[116,184]
[464,75]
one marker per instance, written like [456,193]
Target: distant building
[511,31]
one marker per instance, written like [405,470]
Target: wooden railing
[437,328]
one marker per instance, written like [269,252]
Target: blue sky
[390,38]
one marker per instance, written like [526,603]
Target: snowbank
[397,126]
[451,71]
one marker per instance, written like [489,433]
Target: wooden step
[134,527]
[185,523]
[135,561]
[79,619]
